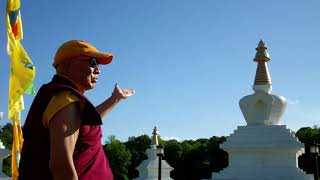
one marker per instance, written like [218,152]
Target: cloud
[171,138]
[302,116]
[293,101]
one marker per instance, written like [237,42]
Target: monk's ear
[63,68]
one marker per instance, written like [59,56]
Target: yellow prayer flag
[22,72]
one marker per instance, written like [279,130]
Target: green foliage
[6,168]
[173,153]
[308,135]
[191,159]
[111,138]
[218,158]
[119,159]
[137,146]
[140,143]
[6,135]
[6,138]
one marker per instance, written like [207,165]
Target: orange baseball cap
[75,48]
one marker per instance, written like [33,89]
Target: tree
[137,146]
[308,135]
[6,138]
[173,152]
[193,162]
[110,138]
[119,159]
[173,156]
[218,158]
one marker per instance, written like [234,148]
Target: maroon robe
[89,158]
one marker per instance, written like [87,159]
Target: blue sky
[190,62]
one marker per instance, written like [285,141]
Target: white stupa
[148,169]
[263,149]
[4,153]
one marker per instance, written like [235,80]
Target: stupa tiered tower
[263,149]
[148,169]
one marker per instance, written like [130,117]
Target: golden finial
[262,57]
[262,53]
[154,140]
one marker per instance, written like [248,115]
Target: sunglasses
[93,62]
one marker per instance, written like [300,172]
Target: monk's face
[85,72]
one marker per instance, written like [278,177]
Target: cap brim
[103,58]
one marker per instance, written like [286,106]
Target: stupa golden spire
[262,73]
[154,139]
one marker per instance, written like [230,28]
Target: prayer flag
[22,72]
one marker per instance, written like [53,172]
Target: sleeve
[58,102]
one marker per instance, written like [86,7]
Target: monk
[62,133]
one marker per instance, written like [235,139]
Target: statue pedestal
[265,152]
